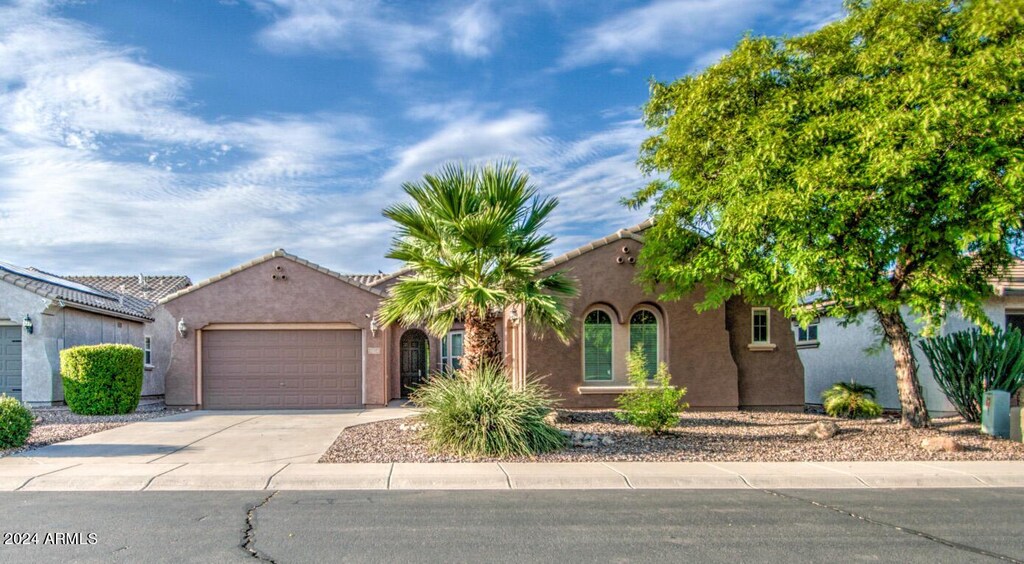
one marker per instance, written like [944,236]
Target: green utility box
[995,414]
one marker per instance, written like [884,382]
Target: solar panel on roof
[56,281]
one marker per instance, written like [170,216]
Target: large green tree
[471,239]
[871,167]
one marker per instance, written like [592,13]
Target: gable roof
[1012,282]
[627,233]
[149,288]
[279,253]
[75,294]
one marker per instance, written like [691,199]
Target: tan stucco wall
[695,346]
[772,378]
[253,296]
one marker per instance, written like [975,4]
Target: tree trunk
[915,414]
[481,343]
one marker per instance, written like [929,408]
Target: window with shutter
[597,346]
[643,330]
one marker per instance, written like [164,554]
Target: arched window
[597,346]
[643,330]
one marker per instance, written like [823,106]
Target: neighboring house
[282,332]
[832,353]
[42,314]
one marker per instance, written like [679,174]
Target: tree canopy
[873,165]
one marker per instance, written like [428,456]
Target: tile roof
[627,233]
[276,254]
[149,288]
[75,294]
[1012,282]
[367,279]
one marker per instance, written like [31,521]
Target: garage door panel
[282,369]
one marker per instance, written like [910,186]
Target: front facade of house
[281,332]
[832,352]
[42,314]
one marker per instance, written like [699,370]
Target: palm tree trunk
[481,344]
[915,413]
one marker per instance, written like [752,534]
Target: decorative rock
[941,444]
[412,426]
[552,417]
[819,430]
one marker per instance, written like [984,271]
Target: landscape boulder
[820,430]
[941,444]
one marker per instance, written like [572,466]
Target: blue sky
[188,136]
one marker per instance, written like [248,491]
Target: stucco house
[42,314]
[282,332]
[831,352]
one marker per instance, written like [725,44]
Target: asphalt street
[906,525]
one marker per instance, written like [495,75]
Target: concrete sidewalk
[33,474]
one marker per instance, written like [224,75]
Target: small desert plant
[102,379]
[15,422]
[851,400]
[968,363]
[652,406]
[479,413]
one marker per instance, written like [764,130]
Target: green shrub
[652,407]
[851,400]
[481,414]
[102,379]
[15,422]
[964,362]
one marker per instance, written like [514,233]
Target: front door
[10,360]
[414,359]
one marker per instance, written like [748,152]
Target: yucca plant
[967,363]
[479,413]
[851,400]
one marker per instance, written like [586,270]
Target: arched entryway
[413,347]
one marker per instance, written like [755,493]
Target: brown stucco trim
[279,253]
[627,233]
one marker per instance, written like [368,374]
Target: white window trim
[147,351]
[583,347]
[808,343]
[446,348]
[766,345]
[659,338]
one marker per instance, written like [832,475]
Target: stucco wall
[253,296]
[54,329]
[853,352]
[695,346]
[767,378]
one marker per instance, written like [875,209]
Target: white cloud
[474,31]
[589,174]
[103,167]
[400,39]
[677,27]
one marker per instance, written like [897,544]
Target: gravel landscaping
[58,424]
[750,436]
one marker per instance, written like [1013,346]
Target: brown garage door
[287,369]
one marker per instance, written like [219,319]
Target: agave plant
[968,363]
[851,400]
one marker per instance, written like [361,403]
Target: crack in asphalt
[249,536]
[900,528]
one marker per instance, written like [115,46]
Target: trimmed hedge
[15,422]
[102,379]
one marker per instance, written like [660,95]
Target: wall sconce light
[27,324]
[373,326]
[182,328]
[513,317]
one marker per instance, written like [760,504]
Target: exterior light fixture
[373,326]
[27,324]
[513,317]
[182,328]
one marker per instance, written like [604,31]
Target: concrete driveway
[214,437]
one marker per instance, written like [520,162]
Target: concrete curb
[121,476]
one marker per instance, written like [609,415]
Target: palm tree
[470,238]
